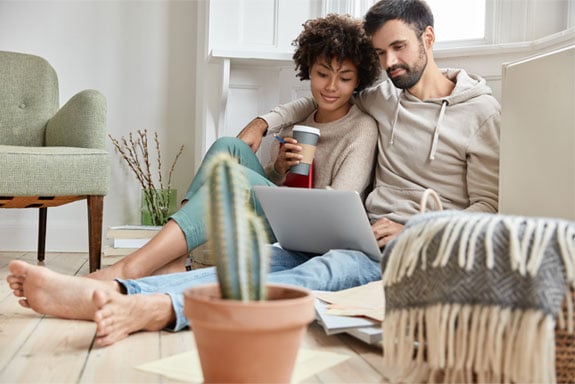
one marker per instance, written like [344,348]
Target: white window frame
[355,8]
[500,27]
[508,22]
[358,8]
[502,32]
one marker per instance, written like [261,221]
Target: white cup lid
[305,128]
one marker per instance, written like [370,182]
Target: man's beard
[412,75]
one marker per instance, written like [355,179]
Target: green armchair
[50,156]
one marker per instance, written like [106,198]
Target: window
[457,20]
[465,23]
[356,8]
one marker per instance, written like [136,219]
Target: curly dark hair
[337,37]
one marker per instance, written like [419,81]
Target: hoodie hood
[466,87]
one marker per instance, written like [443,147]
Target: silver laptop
[317,220]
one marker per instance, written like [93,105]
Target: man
[437,129]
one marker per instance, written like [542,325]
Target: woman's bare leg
[155,257]
[176,265]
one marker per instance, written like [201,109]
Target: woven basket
[565,346]
[201,257]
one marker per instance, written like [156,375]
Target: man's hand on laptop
[385,230]
[253,133]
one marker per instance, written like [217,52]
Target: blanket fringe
[526,247]
[462,343]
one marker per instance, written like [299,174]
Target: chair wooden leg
[95,216]
[43,214]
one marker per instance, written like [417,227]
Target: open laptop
[317,220]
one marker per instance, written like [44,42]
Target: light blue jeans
[333,271]
[191,217]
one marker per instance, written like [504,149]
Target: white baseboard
[19,232]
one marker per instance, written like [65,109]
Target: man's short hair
[415,13]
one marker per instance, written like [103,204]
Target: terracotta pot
[255,341]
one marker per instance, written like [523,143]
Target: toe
[24,303]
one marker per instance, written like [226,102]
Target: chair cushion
[53,171]
[28,98]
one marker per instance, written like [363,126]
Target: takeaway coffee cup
[307,138]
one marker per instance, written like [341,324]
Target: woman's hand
[288,155]
[385,230]
[253,133]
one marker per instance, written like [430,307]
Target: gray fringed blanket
[473,297]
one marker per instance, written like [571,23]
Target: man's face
[401,52]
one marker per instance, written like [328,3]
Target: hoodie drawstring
[436,132]
[395,118]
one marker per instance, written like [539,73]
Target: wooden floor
[38,349]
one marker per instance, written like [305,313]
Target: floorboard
[41,349]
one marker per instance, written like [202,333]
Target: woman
[337,57]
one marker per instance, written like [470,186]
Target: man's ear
[428,36]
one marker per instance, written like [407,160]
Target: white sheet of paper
[186,366]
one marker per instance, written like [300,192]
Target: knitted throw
[474,297]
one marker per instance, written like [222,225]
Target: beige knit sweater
[345,153]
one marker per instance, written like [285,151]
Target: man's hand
[253,133]
[385,230]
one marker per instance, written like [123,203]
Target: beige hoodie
[450,145]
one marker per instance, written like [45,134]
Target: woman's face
[332,85]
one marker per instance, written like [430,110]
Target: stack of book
[364,328]
[125,239]
[358,311]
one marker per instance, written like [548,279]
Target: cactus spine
[236,234]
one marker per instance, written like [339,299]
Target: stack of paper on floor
[358,311]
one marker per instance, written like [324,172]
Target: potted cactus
[245,329]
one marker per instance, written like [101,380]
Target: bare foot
[119,315]
[51,293]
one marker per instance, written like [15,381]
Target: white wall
[153,61]
[141,56]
